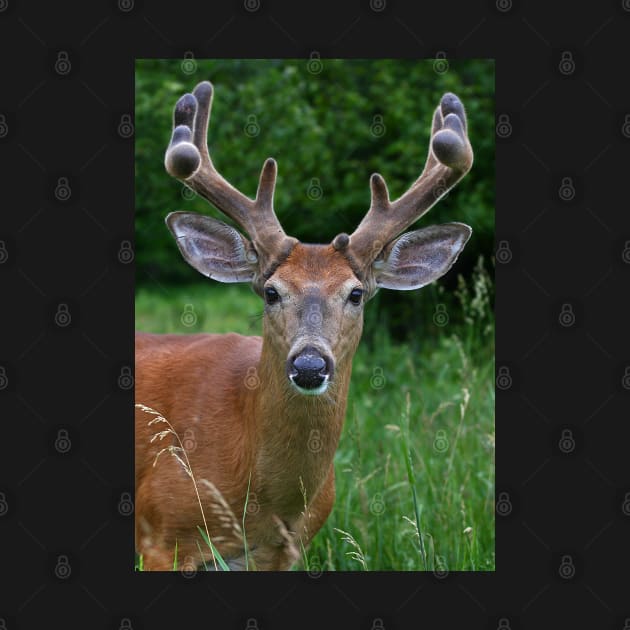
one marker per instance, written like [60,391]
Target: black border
[567,251]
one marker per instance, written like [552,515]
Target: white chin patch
[311,392]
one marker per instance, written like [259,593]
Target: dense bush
[328,131]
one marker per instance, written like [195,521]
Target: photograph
[314,315]
[329,292]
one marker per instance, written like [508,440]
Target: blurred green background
[329,125]
[415,463]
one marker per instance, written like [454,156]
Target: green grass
[415,464]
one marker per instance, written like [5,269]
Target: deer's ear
[213,248]
[417,258]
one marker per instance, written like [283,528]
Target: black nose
[308,369]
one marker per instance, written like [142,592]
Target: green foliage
[328,132]
[415,464]
[410,483]
[424,370]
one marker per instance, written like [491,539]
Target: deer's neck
[297,435]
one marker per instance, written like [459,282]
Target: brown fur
[229,396]
[199,383]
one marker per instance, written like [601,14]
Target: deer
[252,403]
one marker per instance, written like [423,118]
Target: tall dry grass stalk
[222,510]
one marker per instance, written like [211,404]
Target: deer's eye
[271,295]
[355,296]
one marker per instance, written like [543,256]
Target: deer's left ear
[213,248]
[417,258]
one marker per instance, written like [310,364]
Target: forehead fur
[315,263]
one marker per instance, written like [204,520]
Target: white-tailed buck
[250,405]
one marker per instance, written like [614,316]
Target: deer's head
[314,294]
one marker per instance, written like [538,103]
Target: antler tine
[450,158]
[187,159]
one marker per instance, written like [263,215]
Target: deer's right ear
[213,248]
[417,258]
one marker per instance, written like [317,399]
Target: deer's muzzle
[309,371]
